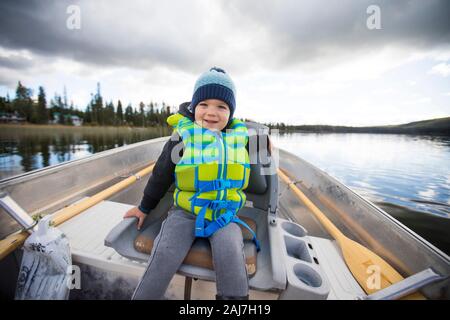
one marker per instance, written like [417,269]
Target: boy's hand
[135,212]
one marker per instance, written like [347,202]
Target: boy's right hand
[135,212]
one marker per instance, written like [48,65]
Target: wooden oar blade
[369,269]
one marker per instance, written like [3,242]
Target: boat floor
[87,231]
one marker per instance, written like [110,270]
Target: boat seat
[200,253]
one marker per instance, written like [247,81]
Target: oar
[12,242]
[361,261]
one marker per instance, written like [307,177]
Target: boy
[210,178]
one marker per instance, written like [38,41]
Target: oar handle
[78,208]
[11,243]
[329,226]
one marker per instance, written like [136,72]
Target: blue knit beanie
[214,84]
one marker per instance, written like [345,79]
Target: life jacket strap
[216,204]
[217,184]
[205,228]
[254,239]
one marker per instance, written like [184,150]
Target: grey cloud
[16,63]
[40,26]
[279,33]
[302,32]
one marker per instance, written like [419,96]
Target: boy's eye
[222,107]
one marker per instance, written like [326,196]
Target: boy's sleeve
[161,178]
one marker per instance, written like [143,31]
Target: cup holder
[307,275]
[297,249]
[293,229]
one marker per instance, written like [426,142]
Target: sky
[335,62]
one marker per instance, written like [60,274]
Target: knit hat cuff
[214,91]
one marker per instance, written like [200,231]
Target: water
[407,176]
[26,148]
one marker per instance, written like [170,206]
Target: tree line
[439,126]
[97,112]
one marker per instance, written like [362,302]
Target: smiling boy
[209,181]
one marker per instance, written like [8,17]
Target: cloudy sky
[299,62]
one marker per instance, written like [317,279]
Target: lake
[26,148]
[407,176]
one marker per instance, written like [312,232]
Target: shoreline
[303,129]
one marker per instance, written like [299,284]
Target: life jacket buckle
[217,204]
[223,220]
[221,184]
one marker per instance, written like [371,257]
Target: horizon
[358,63]
[382,125]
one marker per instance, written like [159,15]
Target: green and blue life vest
[212,174]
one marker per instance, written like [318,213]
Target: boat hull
[50,189]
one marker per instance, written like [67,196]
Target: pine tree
[152,117]
[119,113]
[23,103]
[99,105]
[3,106]
[71,112]
[142,113]
[42,106]
[109,114]
[129,115]
[62,111]
[88,114]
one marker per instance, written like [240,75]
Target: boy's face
[212,114]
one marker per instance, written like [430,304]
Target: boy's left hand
[135,212]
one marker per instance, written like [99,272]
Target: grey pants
[172,245]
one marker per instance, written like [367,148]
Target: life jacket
[212,174]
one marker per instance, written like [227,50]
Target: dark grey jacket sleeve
[161,178]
